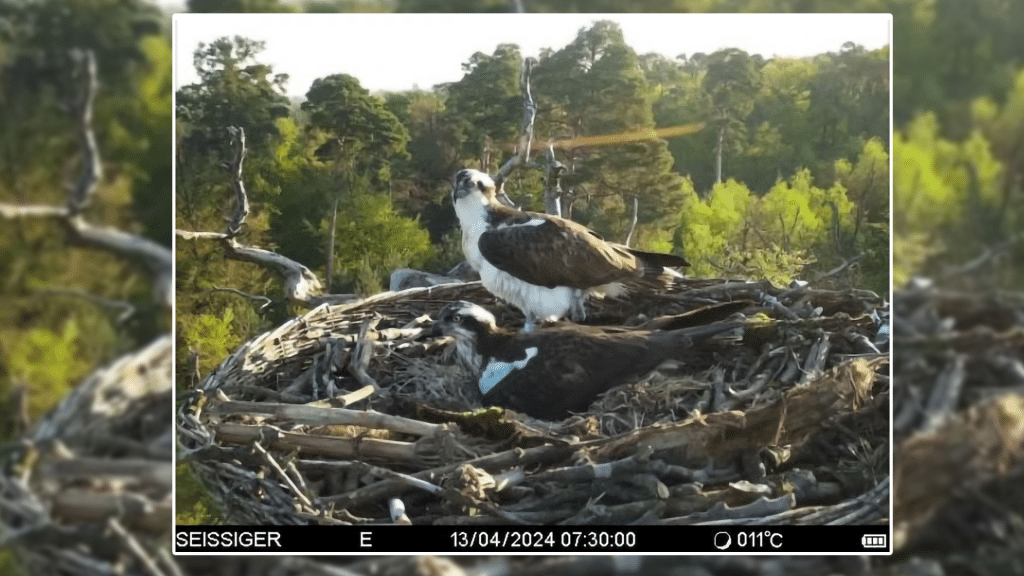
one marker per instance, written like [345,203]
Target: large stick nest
[344,416]
[959,428]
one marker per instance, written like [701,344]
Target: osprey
[544,265]
[549,372]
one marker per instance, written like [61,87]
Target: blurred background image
[958,166]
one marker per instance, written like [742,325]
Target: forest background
[800,133]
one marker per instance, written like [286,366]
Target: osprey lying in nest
[553,371]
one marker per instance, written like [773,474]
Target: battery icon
[873,540]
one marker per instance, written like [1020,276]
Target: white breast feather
[497,370]
[472,213]
[549,304]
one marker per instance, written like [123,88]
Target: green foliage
[363,134]
[212,336]
[373,240]
[8,564]
[779,236]
[954,198]
[435,150]
[485,106]
[48,362]
[41,333]
[234,90]
[867,186]
[193,503]
[596,86]
[146,149]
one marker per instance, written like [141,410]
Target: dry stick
[846,264]
[879,494]
[516,457]
[142,514]
[343,448]
[361,357]
[446,493]
[803,409]
[816,358]
[988,253]
[272,463]
[354,396]
[165,557]
[260,392]
[133,547]
[946,393]
[321,519]
[721,514]
[776,305]
[617,515]
[156,257]
[149,472]
[308,377]
[548,516]
[589,472]
[327,416]
[553,186]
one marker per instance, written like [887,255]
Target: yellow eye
[458,318]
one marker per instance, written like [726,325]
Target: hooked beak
[433,332]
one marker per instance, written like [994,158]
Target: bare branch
[190,235]
[300,282]
[266,301]
[989,254]
[553,187]
[241,199]
[632,227]
[156,257]
[13,211]
[92,169]
[846,264]
[301,286]
[127,309]
[526,133]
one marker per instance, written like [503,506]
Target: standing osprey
[549,372]
[544,265]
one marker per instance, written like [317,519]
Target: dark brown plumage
[545,265]
[552,371]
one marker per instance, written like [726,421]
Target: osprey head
[470,182]
[464,320]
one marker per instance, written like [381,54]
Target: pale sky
[393,52]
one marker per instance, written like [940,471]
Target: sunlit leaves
[49,362]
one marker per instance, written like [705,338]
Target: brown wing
[557,252]
[572,372]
